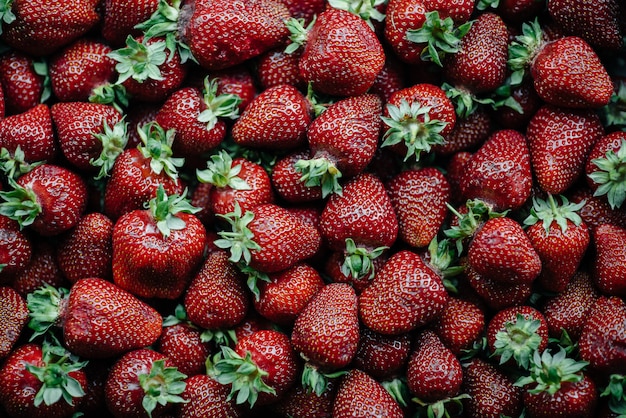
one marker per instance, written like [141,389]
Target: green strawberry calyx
[478,212]
[615,391]
[442,258]
[410,123]
[524,49]
[298,33]
[322,172]
[162,385]
[110,94]
[239,240]
[614,112]
[316,381]
[6,13]
[253,277]
[20,204]
[179,317]
[398,388]
[548,211]
[14,164]
[465,102]
[487,4]
[139,60]
[54,374]
[217,106]
[358,261]
[440,36]
[45,308]
[114,140]
[611,176]
[164,209]
[219,337]
[156,145]
[439,409]
[365,9]
[518,340]
[549,371]
[221,172]
[242,373]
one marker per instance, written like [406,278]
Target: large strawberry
[98,319]
[157,250]
[119,19]
[31,131]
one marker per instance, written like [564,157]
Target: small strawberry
[605,168]
[359,394]
[469,133]
[43,269]
[31,131]
[206,398]
[460,325]
[24,83]
[14,316]
[16,250]
[382,356]
[123,322]
[286,180]
[609,274]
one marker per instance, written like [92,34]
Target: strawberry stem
[314,380]
[320,172]
[14,165]
[6,13]
[518,340]
[239,240]
[110,94]
[156,144]
[523,50]
[20,204]
[358,260]
[139,61]
[365,9]
[549,371]
[298,33]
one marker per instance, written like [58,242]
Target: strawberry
[137,172]
[460,325]
[299,402]
[390,79]
[560,141]
[568,311]
[120,18]
[124,322]
[206,398]
[455,170]
[342,142]
[469,133]
[514,334]
[23,82]
[87,132]
[42,381]
[499,173]
[143,383]
[419,198]
[86,251]
[77,71]
[216,298]
[605,168]
[559,386]
[580,79]
[222,33]
[609,274]
[283,298]
[498,295]
[286,180]
[42,269]
[156,251]
[237,181]
[363,214]
[405,294]
[337,266]
[16,250]
[276,67]
[341,66]
[32,131]
[261,368]
[596,209]
[382,356]
[305,9]
[491,392]
[359,394]
[238,80]
[50,199]
[513,116]
[268,238]
[560,237]
[14,315]
[198,117]
[326,334]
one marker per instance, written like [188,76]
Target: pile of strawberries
[311,208]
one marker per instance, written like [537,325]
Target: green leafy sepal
[161,386]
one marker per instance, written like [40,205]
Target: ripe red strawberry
[516,116]
[496,294]
[197,117]
[359,394]
[603,336]
[87,249]
[261,368]
[468,134]
[98,319]
[217,298]
[460,325]
[43,269]
[596,209]
[609,273]
[558,386]
[604,168]
[364,214]
[514,334]
[237,181]
[23,82]
[283,298]
[419,198]
[419,117]
[326,333]
[138,172]
[455,169]
[305,9]
[268,238]
[405,294]
[499,173]
[491,392]
[14,315]
[238,80]
[79,69]
[566,72]
[560,237]
[286,180]
[223,33]
[50,199]
[276,119]
[339,66]
[206,398]
[42,381]
[32,131]
[120,18]
[382,356]
[299,402]
[156,251]
[342,142]
[568,311]
[276,67]
[560,141]
[143,383]
[15,250]
[337,266]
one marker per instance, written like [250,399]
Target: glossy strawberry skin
[573,399]
[596,209]
[286,180]
[609,271]
[33,132]
[460,324]
[359,393]
[42,269]
[206,398]
[22,86]
[403,15]
[495,293]
[469,133]
[16,250]
[382,356]
[183,344]
[14,315]
[120,17]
